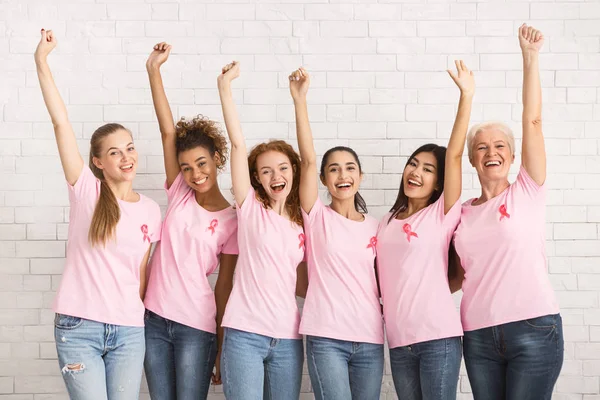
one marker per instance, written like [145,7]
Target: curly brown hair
[201,131]
[292,203]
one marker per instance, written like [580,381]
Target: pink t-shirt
[191,243]
[501,244]
[412,262]
[263,299]
[342,301]
[103,283]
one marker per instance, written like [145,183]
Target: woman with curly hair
[183,318]
[262,350]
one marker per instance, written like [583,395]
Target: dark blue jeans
[344,370]
[179,359]
[515,361]
[427,370]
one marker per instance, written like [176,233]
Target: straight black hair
[439,153]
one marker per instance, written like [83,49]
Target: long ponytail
[107,212]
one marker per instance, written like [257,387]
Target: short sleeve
[86,186]
[452,218]
[316,209]
[231,245]
[527,185]
[178,188]
[250,202]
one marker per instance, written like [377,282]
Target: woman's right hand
[299,83]
[463,77]
[229,72]
[45,46]
[159,55]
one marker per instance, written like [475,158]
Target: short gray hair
[501,126]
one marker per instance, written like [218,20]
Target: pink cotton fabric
[501,244]
[192,241]
[263,299]
[412,260]
[342,301]
[103,283]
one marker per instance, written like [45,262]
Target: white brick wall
[378,85]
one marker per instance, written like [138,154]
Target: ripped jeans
[99,361]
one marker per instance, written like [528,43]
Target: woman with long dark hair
[342,314]
[422,325]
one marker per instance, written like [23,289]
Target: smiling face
[117,157]
[420,176]
[199,168]
[342,175]
[491,154]
[275,174]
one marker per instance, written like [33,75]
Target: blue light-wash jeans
[342,370]
[179,359]
[515,361]
[427,370]
[257,367]
[99,361]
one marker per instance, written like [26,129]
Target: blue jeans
[427,370]
[344,370]
[257,367]
[99,361]
[179,359]
[519,360]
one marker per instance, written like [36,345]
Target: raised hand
[45,46]
[229,72]
[159,55]
[299,83]
[530,39]
[463,77]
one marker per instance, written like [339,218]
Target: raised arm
[159,55]
[70,157]
[534,150]
[309,185]
[240,174]
[453,170]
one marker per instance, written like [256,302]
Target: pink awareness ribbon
[301,239]
[408,230]
[503,212]
[372,244]
[213,224]
[145,232]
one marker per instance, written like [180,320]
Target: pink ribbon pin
[372,244]
[408,230]
[503,212]
[145,232]
[213,224]
[301,238]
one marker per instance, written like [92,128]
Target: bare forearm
[161,103]
[304,133]
[456,143]
[52,98]
[221,297]
[230,115]
[532,88]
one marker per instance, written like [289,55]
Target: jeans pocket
[544,322]
[62,321]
